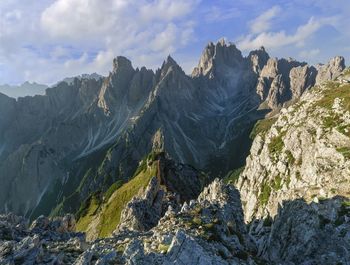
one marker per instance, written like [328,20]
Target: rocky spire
[116,85]
[215,55]
[169,63]
[258,59]
[121,62]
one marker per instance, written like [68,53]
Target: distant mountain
[70,80]
[25,89]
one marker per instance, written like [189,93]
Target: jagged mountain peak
[258,59]
[217,54]
[169,63]
[121,62]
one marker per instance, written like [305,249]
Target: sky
[47,40]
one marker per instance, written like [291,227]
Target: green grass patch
[86,213]
[110,215]
[262,126]
[277,183]
[345,151]
[112,189]
[233,176]
[276,145]
[115,199]
[290,157]
[265,193]
[335,91]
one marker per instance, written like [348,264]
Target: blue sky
[47,40]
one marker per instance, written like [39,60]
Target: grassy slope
[109,211]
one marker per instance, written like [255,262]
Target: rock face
[331,70]
[44,242]
[303,155]
[142,213]
[310,234]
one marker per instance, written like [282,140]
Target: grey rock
[143,213]
[331,70]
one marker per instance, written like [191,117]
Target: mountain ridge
[113,113]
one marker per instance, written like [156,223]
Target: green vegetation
[115,199]
[110,215]
[197,221]
[262,126]
[345,151]
[112,189]
[331,121]
[163,248]
[346,204]
[265,193]
[335,91]
[276,145]
[277,183]
[233,176]
[290,157]
[86,213]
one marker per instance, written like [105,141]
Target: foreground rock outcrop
[209,230]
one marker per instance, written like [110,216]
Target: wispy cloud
[263,22]
[143,30]
[216,13]
[309,54]
[276,39]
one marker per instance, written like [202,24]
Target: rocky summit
[245,161]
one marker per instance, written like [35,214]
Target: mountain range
[131,155]
[25,89]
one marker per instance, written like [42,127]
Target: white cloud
[166,10]
[216,13]
[309,54]
[49,40]
[263,22]
[281,38]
